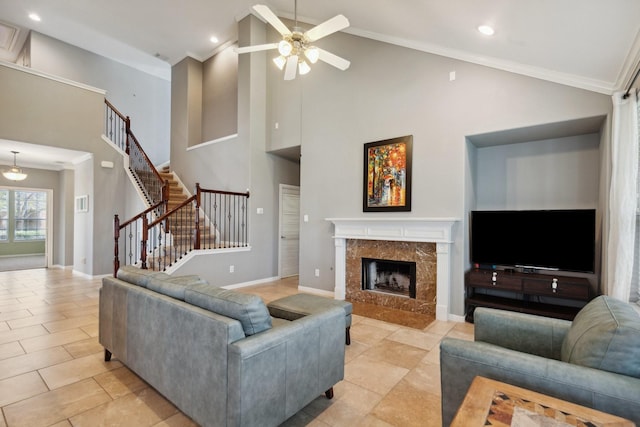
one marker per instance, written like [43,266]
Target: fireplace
[389,276]
[351,233]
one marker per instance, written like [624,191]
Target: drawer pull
[554,285]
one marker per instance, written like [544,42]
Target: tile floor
[52,371]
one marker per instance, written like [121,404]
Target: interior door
[289,230]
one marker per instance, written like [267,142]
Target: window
[4,215]
[30,215]
[23,215]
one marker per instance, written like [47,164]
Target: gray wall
[63,253]
[236,164]
[220,95]
[552,174]
[84,221]
[144,98]
[42,111]
[390,91]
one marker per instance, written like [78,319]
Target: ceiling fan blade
[272,19]
[334,60]
[337,23]
[256,48]
[291,67]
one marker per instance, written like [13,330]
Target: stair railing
[132,245]
[210,219]
[118,129]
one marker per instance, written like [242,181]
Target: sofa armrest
[275,373]
[541,336]
[461,361]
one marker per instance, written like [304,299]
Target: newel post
[116,236]
[196,244]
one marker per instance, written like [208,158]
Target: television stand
[548,295]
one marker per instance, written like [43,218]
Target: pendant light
[14,173]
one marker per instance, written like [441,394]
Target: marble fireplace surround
[434,230]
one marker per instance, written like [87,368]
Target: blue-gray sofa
[593,361]
[217,354]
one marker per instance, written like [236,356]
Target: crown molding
[567,79]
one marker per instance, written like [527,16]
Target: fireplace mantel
[435,230]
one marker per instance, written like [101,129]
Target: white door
[289,230]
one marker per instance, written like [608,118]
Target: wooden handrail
[172,211]
[151,166]
[115,110]
[141,214]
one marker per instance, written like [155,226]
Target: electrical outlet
[232,268]
[317,273]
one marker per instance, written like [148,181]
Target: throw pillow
[605,335]
[173,286]
[138,276]
[250,310]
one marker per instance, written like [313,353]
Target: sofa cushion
[250,310]
[605,335]
[173,286]
[138,276]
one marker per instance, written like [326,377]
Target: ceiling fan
[296,47]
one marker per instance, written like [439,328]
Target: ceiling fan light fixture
[285,48]
[312,53]
[280,62]
[303,67]
[14,173]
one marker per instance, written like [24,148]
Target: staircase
[175,223]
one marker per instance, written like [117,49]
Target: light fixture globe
[285,48]
[312,53]
[280,61]
[14,173]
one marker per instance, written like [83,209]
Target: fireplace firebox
[389,276]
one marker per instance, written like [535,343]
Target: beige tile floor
[52,371]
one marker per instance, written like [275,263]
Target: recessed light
[214,39]
[486,30]
[34,17]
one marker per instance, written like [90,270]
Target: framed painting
[387,175]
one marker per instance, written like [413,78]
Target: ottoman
[299,305]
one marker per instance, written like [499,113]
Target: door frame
[281,191]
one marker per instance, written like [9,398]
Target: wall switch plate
[260,211]
[305,218]
[232,268]
[452,76]
[317,272]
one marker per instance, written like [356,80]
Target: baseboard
[315,291]
[251,283]
[456,318]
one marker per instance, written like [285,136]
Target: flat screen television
[535,239]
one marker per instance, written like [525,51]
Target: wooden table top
[516,406]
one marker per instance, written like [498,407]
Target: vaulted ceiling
[593,44]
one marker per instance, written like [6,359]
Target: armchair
[593,361]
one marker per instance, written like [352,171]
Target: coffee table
[494,403]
